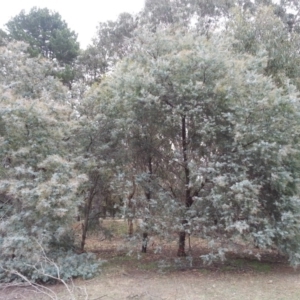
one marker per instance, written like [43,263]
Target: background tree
[47,34]
[111,44]
[270,32]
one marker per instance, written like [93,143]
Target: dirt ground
[159,275]
[189,284]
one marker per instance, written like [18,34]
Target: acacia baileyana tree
[39,183]
[212,141]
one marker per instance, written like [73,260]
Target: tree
[232,136]
[270,32]
[47,35]
[39,183]
[26,76]
[93,64]
[98,154]
[200,14]
[111,44]
[115,39]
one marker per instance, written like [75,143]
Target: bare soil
[159,274]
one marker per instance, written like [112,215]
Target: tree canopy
[185,116]
[214,135]
[46,33]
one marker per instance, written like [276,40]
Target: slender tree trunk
[181,247]
[130,227]
[130,206]
[145,242]
[188,195]
[87,210]
[148,197]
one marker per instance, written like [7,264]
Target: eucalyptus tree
[114,39]
[111,44]
[201,14]
[93,64]
[207,15]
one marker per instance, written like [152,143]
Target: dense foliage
[185,116]
[39,182]
[212,141]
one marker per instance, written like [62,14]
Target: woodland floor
[159,275]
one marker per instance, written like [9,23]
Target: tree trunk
[130,206]
[188,196]
[85,224]
[148,197]
[145,242]
[87,209]
[130,227]
[181,247]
